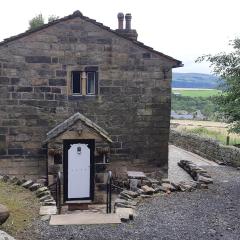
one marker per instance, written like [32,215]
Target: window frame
[94,84]
[80,79]
[84,86]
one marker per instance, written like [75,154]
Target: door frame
[66,146]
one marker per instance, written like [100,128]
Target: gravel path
[202,214]
[177,174]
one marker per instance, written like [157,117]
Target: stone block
[27,184]
[48,203]
[48,210]
[24,89]
[46,197]
[147,190]
[37,59]
[42,194]
[35,186]
[4,81]
[4,214]
[57,82]
[125,214]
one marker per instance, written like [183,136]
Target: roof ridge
[93,21]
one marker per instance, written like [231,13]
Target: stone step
[84,219]
[47,210]
[125,214]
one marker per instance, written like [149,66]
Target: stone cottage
[78,95]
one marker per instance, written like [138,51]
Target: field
[196,92]
[215,130]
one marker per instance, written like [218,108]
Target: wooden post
[228,140]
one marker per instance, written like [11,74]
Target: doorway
[78,170]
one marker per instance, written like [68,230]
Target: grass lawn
[23,206]
[195,92]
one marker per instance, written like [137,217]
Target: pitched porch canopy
[71,121]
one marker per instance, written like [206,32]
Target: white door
[78,171]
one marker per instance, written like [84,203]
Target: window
[84,83]
[91,83]
[76,83]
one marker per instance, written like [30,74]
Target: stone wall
[206,148]
[133,101]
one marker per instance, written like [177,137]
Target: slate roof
[62,127]
[80,15]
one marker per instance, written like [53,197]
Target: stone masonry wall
[133,103]
[206,148]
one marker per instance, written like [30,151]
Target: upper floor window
[84,82]
[91,83]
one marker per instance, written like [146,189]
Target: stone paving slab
[84,219]
[135,174]
[47,210]
[125,213]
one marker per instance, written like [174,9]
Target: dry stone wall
[206,148]
[133,101]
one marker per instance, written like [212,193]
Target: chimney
[128,31]
[120,20]
[128,18]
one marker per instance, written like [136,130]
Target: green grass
[23,207]
[197,93]
[216,135]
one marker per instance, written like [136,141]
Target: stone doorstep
[84,219]
[48,210]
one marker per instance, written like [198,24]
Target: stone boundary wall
[206,147]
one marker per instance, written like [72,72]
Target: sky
[183,29]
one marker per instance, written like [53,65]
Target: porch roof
[65,125]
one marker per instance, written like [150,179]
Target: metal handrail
[55,189]
[109,193]
[58,192]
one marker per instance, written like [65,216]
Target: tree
[52,18]
[36,22]
[227,67]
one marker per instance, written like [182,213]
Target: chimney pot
[120,20]
[128,18]
[127,32]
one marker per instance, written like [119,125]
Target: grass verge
[23,206]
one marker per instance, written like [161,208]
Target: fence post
[228,140]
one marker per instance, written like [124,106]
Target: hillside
[194,80]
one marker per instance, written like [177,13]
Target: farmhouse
[79,97]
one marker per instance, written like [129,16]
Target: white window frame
[94,84]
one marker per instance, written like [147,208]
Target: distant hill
[194,80]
